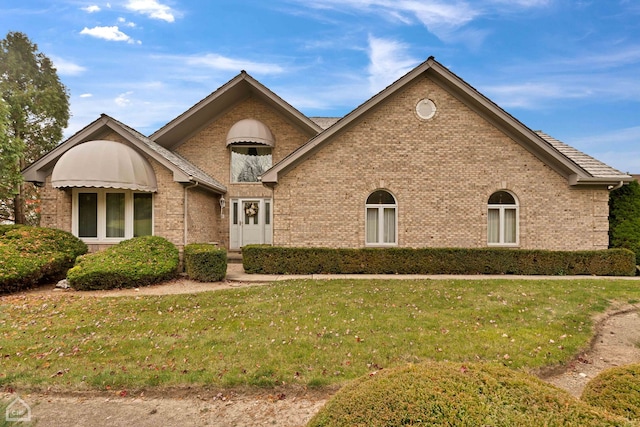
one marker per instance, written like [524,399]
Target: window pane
[509,226]
[251,212]
[248,163]
[267,213]
[87,215]
[389,225]
[381,197]
[372,225]
[235,213]
[501,198]
[115,214]
[493,229]
[142,214]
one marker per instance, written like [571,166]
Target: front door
[250,222]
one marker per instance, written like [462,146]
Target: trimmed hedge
[278,260]
[32,255]
[616,390]
[131,263]
[454,394]
[205,263]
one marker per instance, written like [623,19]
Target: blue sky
[568,67]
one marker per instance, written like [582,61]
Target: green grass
[311,333]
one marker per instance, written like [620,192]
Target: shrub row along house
[427,162]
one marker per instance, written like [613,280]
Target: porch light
[223,203]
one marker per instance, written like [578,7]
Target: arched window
[381,219]
[502,217]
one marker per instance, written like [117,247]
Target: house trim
[527,138]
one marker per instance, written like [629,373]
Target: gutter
[615,187]
[186,228]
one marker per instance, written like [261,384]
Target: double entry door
[251,222]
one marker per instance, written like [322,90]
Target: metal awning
[104,164]
[250,131]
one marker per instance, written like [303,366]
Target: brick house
[427,162]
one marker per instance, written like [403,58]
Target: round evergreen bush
[32,255]
[616,390]
[131,263]
[453,394]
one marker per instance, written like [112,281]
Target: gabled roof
[183,170]
[237,89]
[576,167]
[325,122]
[593,166]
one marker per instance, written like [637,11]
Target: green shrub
[624,218]
[452,394]
[278,260]
[205,262]
[32,255]
[131,263]
[616,390]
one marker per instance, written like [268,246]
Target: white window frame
[102,214]
[381,209]
[502,224]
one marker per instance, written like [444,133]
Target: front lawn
[311,333]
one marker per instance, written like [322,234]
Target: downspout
[615,187]
[186,224]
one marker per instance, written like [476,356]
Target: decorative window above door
[251,144]
[248,163]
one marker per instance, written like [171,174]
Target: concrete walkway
[235,273]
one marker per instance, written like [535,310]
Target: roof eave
[37,171]
[272,175]
[211,187]
[220,101]
[40,169]
[576,180]
[505,122]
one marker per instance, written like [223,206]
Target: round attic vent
[425,109]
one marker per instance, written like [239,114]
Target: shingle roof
[180,162]
[577,167]
[325,122]
[593,166]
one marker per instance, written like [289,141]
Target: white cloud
[441,17]
[92,9]
[86,95]
[112,33]
[67,68]
[126,23]
[152,9]
[220,62]
[524,3]
[123,100]
[388,61]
